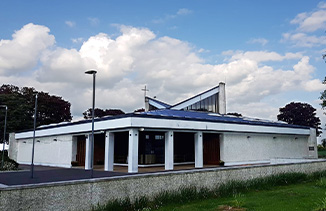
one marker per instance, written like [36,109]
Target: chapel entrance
[151,148]
[184,147]
[211,153]
[121,147]
[81,150]
[99,149]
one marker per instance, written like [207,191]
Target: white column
[199,150]
[312,144]
[109,151]
[221,99]
[73,148]
[169,151]
[133,151]
[222,147]
[88,152]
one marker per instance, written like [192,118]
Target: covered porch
[146,150]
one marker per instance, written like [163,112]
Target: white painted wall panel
[47,151]
[240,148]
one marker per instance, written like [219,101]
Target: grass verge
[321,153]
[232,190]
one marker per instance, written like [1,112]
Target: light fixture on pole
[4,137]
[92,72]
[35,115]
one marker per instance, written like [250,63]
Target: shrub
[320,147]
[9,164]
[321,205]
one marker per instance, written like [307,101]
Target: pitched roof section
[157,104]
[196,98]
[181,105]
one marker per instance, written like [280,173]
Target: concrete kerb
[83,194]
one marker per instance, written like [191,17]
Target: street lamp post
[92,72]
[35,114]
[4,137]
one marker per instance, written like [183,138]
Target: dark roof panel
[214,117]
[183,115]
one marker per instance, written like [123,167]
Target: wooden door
[81,150]
[211,149]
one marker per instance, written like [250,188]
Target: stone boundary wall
[82,195]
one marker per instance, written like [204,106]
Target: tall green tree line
[21,103]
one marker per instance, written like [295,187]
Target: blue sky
[267,52]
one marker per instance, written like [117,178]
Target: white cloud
[94,21]
[303,40]
[23,51]
[322,5]
[260,56]
[171,68]
[70,23]
[299,18]
[255,110]
[261,41]
[310,22]
[184,11]
[202,50]
[77,40]
[307,24]
[314,85]
[180,12]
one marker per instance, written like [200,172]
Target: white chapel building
[195,131]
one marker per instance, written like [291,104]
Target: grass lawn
[322,153]
[304,196]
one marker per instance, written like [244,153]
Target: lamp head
[91,72]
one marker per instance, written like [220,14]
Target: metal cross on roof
[145,90]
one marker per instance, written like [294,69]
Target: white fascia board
[171,124]
[160,123]
[109,124]
[196,99]
[155,104]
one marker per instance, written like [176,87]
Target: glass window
[159,137]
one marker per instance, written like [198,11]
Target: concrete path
[46,174]
[50,174]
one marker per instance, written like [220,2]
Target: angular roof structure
[212,100]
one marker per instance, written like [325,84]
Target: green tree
[297,113]
[235,114]
[140,110]
[323,142]
[323,96]
[21,101]
[98,112]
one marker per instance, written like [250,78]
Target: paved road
[50,174]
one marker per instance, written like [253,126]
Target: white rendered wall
[13,147]
[47,151]
[239,148]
